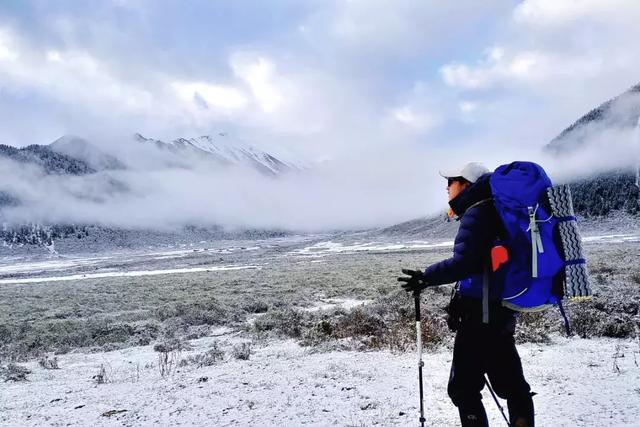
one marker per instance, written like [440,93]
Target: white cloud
[464,76]
[259,74]
[568,12]
[500,67]
[467,107]
[74,77]
[53,56]
[8,52]
[419,121]
[396,29]
[80,80]
[219,97]
[553,62]
[550,11]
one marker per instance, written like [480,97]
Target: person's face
[455,187]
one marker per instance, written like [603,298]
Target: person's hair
[460,179]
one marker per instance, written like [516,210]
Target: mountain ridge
[74,155]
[223,153]
[619,112]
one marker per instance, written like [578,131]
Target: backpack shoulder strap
[485,276]
[481,202]
[485,295]
[475,205]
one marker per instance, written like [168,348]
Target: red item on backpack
[499,255]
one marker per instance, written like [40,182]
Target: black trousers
[481,349]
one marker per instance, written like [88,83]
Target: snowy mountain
[221,151]
[73,173]
[81,149]
[619,113]
[72,155]
[615,121]
[50,161]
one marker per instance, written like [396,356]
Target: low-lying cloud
[349,192]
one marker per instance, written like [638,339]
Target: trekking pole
[416,296]
[495,398]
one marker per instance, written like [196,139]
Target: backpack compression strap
[536,239]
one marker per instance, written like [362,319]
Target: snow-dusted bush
[288,322]
[32,339]
[13,372]
[206,312]
[210,357]
[609,317]
[241,351]
[255,306]
[387,322]
[144,333]
[49,363]
[535,327]
[169,354]
[101,377]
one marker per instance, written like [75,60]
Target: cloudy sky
[428,71]
[348,80]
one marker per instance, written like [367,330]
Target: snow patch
[330,247]
[612,238]
[136,273]
[329,304]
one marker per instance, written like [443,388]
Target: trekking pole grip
[416,298]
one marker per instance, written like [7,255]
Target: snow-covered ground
[579,383]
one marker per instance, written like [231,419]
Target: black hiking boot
[472,414]
[521,413]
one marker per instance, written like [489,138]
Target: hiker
[484,342]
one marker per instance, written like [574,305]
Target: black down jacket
[479,228]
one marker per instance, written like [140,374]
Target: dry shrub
[168,355]
[534,327]
[28,340]
[359,322]
[255,306]
[401,334]
[49,363]
[241,351]
[604,317]
[210,357]
[101,377]
[388,322]
[206,312]
[289,323]
[13,372]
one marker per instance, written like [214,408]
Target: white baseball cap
[471,172]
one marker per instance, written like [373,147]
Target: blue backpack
[539,259]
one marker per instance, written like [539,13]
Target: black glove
[414,281]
